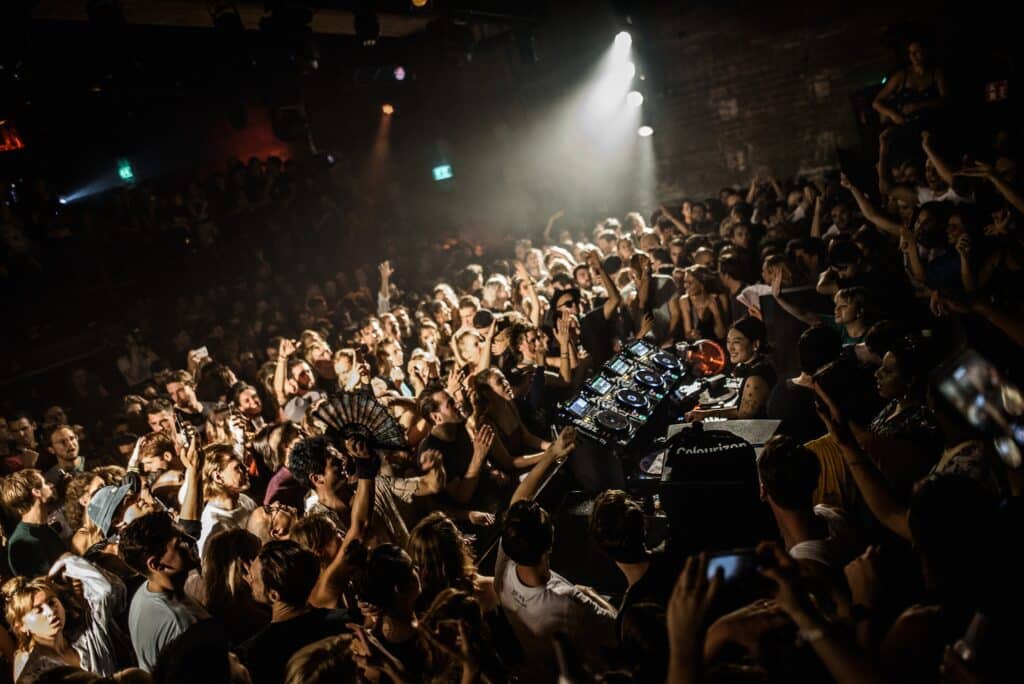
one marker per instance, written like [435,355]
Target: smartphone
[200,352]
[991,404]
[735,565]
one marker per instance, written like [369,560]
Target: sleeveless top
[704,324]
[909,94]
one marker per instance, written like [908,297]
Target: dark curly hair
[308,457]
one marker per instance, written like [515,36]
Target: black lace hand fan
[359,414]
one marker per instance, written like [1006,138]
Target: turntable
[648,379]
[666,361]
[631,399]
[612,421]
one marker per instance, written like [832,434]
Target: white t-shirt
[835,551]
[215,518]
[537,613]
[926,194]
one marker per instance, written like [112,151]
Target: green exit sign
[125,171]
[443,172]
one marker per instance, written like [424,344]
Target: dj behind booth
[697,481]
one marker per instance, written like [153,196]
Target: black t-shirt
[654,587]
[457,454]
[267,653]
[597,335]
[794,406]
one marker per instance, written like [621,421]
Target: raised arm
[882,221]
[882,167]
[982,170]
[551,224]
[284,350]
[870,481]
[463,489]
[614,296]
[558,451]
[680,226]
[816,218]
[941,167]
[362,502]
[384,295]
[908,245]
[192,505]
[790,308]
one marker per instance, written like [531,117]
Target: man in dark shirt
[282,576]
[33,546]
[597,327]
[617,528]
[470,482]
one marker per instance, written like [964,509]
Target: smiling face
[740,348]
[162,421]
[249,402]
[499,383]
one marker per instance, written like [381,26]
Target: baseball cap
[104,504]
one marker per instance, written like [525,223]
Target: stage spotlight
[625,71]
[62,200]
[388,109]
[420,4]
[645,131]
[399,73]
[623,40]
[634,98]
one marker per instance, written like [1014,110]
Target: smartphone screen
[733,564]
[991,404]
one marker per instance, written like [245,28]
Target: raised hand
[844,181]
[385,270]
[564,443]
[357,448]
[780,567]
[286,348]
[562,332]
[482,441]
[689,604]
[192,457]
[481,518]
[963,246]
[777,282]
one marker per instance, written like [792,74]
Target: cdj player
[626,395]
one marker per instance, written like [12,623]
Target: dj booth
[698,483]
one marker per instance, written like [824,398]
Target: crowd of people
[188,514]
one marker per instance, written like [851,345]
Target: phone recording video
[987,400]
[734,565]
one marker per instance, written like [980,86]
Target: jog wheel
[610,420]
[666,360]
[631,399]
[648,379]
